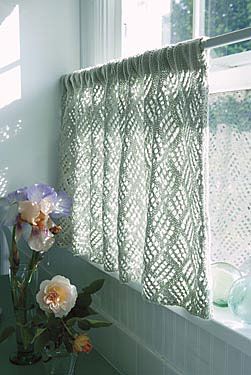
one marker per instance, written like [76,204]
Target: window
[163,22]
[141,25]
[230,178]
[225,16]
[148,24]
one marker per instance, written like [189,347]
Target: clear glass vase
[23,284]
[223,276]
[240,299]
[59,362]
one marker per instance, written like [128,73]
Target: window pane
[150,24]
[181,20]
[225,16]
[229,176]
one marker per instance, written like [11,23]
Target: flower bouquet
[62,320]
[27,216]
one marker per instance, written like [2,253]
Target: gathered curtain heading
[181,57]
[133,157]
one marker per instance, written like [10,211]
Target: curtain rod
[228,38]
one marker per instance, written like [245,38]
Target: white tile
[104,340]
[219,357]
[115,293]
[148,318]
[158,339]
[179,342]
[125,354]
[131,309]
[246,365]
[139,327]
[234,361]
[148,364]
[204,352]
[169,335]
[122,304]
[169,371]
[191,349]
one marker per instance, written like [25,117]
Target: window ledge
[224,325]
[233,77]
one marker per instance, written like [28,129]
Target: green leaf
[70,322]
[7,332]
[94,286]
[38,333]
[98,323]
[82,323]
[42,340]
[84,300]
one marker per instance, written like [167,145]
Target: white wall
[39,42]
[48,37]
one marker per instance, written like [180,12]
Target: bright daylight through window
[150,24]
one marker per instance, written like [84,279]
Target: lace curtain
[230,177]
[132,156]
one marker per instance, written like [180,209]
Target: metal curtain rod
[229,38]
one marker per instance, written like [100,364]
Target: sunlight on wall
[3,181]
[6,132]
[10,86]
[9,39]
[10,71]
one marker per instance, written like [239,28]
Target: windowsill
[223,325]
[230,73]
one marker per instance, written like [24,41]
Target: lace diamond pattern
[132,150]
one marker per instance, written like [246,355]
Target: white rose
[57,295]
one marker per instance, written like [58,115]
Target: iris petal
[40,240]
[37,192]
[23,230]
[17,195]
[4,254]
[62,206]
[8,213]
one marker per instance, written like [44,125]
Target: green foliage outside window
[232,109]
[221,16]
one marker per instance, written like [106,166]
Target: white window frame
[238,65]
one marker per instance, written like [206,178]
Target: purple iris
[32,209]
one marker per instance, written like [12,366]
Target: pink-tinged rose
[29,211]
[82,344]
[57,296]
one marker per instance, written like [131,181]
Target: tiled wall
[147,339]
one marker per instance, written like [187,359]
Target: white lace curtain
[133,159]
[230,177]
